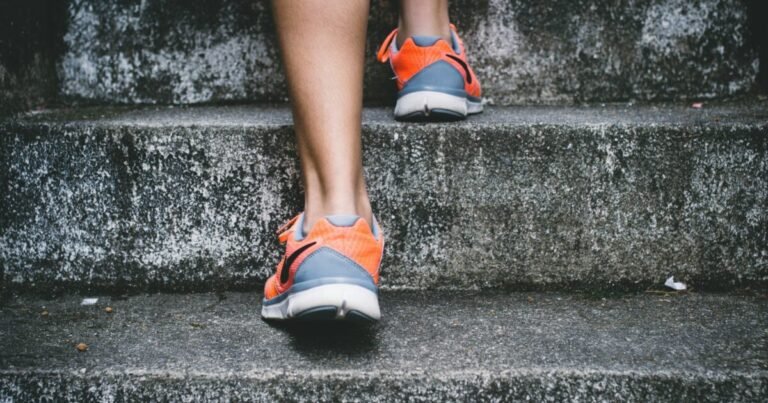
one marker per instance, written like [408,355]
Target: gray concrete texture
[524,51]
[520,198]
[446,346]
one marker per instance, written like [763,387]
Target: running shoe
[434,80]
[329,273]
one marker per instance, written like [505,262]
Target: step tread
[716,113]
[433,345]
[681,334]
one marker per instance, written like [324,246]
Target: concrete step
[524,51]
[429,346]
[529,197]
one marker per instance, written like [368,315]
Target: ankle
[421,21]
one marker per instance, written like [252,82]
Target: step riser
[523,51]
[544,386]
[542,206]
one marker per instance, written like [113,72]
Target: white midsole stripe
[345,297]
[426,101]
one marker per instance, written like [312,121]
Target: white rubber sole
[331,301]
[438,104]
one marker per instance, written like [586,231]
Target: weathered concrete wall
[524,51]
[525,197]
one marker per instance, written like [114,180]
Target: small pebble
[44,313]
[82,347]
[108,309]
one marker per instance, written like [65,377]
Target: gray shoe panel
[425,40]
[439,76]
[327,263]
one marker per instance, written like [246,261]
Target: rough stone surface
[530,197]
[524,51]
[429,346]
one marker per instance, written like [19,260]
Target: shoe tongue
[425,40]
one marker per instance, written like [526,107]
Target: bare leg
[323,49]
[423,17]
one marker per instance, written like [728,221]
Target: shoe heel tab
[342,220]
[375,229]
[384,51]
[425,40]
[289,227]
[456,43]
[345,220]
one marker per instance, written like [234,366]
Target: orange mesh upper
[411,59]
[356,242]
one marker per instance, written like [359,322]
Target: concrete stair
[526,247]
[596,202]
[430,346]
[519,198]
[524,51]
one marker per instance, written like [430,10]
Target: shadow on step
[317,338]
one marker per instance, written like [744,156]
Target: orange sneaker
[434,80]
[330,273]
